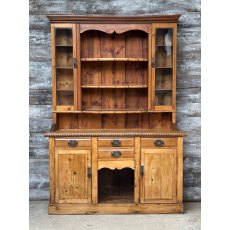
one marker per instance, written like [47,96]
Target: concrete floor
[39,219]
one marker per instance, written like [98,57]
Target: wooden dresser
[114,146]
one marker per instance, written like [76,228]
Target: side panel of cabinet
[72,184]
[158,180]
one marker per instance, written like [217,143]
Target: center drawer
[115,142]
[115,153]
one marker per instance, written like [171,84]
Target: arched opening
[116,186]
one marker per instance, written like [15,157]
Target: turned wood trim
[112,19]
[175,134]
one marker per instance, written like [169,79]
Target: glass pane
[163,97]
[164,49]
[64,86]
[63,37]
[64,66]
[64,57]
[163,79]
[164,67]
[164,56]
[65,98]
[164,37]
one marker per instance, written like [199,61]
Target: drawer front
[72,142]
[115,153]
[115,142]
[159,142]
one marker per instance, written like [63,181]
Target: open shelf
[117,198]
[113,86]
[114,99]
[114,59]
[116,186]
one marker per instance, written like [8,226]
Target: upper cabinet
[164,67]
[63,66]
[116,67]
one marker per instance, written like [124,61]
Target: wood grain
[159,180]
[188,77]
[115,209]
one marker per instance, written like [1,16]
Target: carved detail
[177,134]
[118,168]
[116,28]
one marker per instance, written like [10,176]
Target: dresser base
[115,208]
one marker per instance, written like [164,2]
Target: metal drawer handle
[115,143]
[116,154]
[159,143]
[72,143]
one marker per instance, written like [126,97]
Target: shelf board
[164,45]
[163,89]
[114,111]
[64,45]
[65,90]
[114,59]
[62,67]
[114,86]
[105,111]
[164,110]
[163,67]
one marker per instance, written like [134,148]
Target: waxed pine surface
[188,79]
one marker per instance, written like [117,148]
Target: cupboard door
[164,67]
[64,66]
[158,175]
[73,184]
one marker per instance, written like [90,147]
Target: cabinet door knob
[142,170]
[159,143]
[89,172]
[72,143]
[116,154]
[116,143]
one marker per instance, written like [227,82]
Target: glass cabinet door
[63,50]
[163,67]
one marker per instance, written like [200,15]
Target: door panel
[164,66]
[64,69]
[71,172]
[158,183]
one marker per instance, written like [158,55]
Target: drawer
[159,142]
[115,142]
[72,142]
[114,153]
